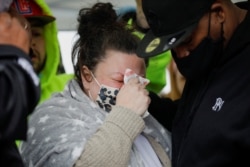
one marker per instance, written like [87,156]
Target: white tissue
[130,74]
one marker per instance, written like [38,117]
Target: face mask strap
[209,24]
[90,96]
[209,20]
[222,30]
[95,78]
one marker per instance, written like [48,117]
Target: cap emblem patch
[153,45]
[23,7]
[172,41]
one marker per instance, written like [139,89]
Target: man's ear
[219,11]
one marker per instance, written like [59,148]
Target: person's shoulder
[54,107]
[11,50]
[60,80]
[64,76]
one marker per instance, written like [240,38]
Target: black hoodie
[211,127]
[19,94]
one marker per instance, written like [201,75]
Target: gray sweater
[71,130]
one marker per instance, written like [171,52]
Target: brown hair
[98,31]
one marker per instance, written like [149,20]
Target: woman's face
[110,71]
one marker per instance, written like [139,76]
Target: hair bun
[104,13]
[100,14]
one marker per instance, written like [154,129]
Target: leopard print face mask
[106,97]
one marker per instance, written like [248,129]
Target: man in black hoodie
[19,86]
[210,43]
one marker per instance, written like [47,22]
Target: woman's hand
[134,96]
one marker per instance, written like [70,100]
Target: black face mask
[201,60]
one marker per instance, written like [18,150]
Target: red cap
[31,10]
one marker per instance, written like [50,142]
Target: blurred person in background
[19,84]
[156,66]
[177,82]
[45,49]
[159,64]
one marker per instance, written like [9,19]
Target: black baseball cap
[170,21]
